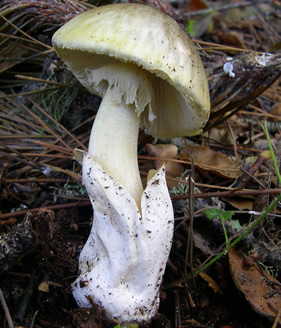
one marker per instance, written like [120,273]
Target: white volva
[122,264]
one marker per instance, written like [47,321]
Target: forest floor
[224,268]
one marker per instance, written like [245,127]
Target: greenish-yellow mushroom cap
[178,104]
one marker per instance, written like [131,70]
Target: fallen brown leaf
[262,291]
[241,203]
[276,110]
[206,159]
[173,169]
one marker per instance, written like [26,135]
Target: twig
[6,310]
[23,60]
[52,207]
[9,36]
[53,147]
[250,175]
[39,180]
[177,309]
[251,212]
[27,162]
[48,155]
[219,47]
[231,193]
[189,246]
[233,140]
[30,93]
[277,318]
[36,79]
[33,319]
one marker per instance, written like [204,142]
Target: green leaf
[213,213]
[218,213]
[236,225]
[227,215]
[190,27]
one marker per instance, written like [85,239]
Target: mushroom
[149,75]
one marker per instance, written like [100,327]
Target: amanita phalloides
[149,75]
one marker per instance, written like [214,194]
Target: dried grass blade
[46,126]
[63,171]
[58,124]
[25,34]
[53,147]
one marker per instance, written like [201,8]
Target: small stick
[51,207]
[276,321]
[6,310]
[177,310]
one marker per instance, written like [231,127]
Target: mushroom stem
[113,143]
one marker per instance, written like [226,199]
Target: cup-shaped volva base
[123,261]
